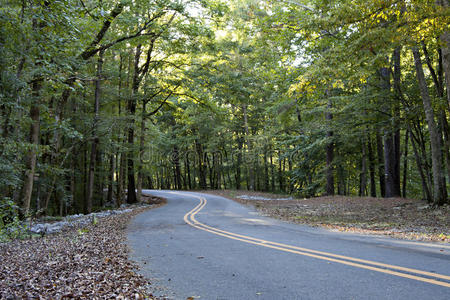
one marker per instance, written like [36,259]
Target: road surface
[209,247]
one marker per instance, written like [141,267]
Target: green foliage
[10,225]
[231,92]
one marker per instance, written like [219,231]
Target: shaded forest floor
[396,217]
[89,262]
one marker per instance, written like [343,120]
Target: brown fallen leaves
[397,217]
[87,263]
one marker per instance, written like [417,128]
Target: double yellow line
[429,277]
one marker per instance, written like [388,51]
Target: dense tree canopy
[100,99]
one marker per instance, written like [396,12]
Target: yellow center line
[189,218]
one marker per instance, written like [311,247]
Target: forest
[100,99]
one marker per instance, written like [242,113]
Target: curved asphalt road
[209,247]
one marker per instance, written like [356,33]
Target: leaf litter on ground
[88,262]
[397,217]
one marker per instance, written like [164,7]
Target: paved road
[209,247]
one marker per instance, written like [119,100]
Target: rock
[423,207]
[74,221]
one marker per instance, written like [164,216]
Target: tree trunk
[266,171]
[439,86]
[251,179]
[284,175]
[95,139]
[439,194]
[445,40]
[420,167]
[239,163]
[341,180]
[446,131]
[131,193]
[329,150]
[140,174]
[112,167]
[363,174]
[290,167]
[391,189]
[280,172]
[176,162]
[373,187]
[230,182]
[395,122]
[34,140]
[201,165]
[188,170]
[272,173]
[380,158]
[405,165]
[85,177]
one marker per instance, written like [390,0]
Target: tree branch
[90,51]
[163,102]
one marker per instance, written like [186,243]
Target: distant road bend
[210,247]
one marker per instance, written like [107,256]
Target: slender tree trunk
[75,206]
[284,175]
[272,173]
[176,162]
[266,172]
[188,170]
[280,172]
[373,187]
[290,168]
[330,150]
[341,180]
[363,174]
[100,177]
[390,164]
[380,164]
[439,194]
[95,139]
[445,41]
[239,163]
[131,193]
[446,131]
[405,165]
[251,179]
[34,140]
[85,177]
[112,167]
[140,174]
[121,178]
[218,183]
[120,141]
[201,165]
[209,170]
[396,126]
[420,167]
[228,167]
